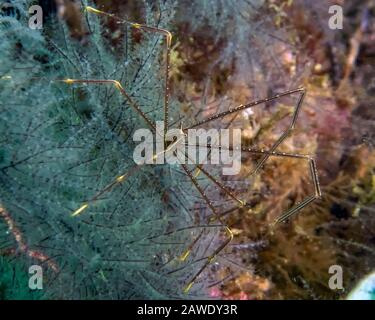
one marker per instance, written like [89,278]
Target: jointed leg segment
[168,38]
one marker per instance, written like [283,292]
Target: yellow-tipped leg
[198,171]
[230,233]
[121,178]
[93,10]
[169,38]
[80,210]
[118,84]
[68,81]
[184,255]
[136,25]
[188,287]
[242,203]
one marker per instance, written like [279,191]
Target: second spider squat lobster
[198,168]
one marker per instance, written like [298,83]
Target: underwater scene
[187,149]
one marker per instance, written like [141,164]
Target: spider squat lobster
[193,174]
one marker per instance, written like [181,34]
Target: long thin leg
[132,103]
[211,258]
[285,134]
[313,176]
[283,217]
[168,37]
[250,105]
[120,179]
[220,185]
[187,252]
[317,193]
[120,88]
[116,182]
[224,226]
[199,168]
[228,231]
[135,106]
